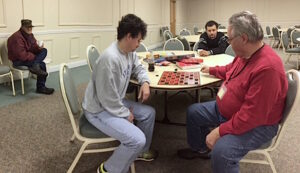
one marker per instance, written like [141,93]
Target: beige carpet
[35,138]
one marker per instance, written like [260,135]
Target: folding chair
[21,70]
[291,104]
[83,130]
[5,71]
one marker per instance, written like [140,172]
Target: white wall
[67,27]
[270,12]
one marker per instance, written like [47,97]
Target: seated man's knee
[221,153]
[192,111]
[44,50]
[137,142]
[151,112]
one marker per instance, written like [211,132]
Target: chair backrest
[142,48]
[230,51]
[4,60]
[294,35]
[167,35]
[297,26]
[69,94]
[278,26]
[184,32]
[92,55]
[268,30]
[185,43]
[222,27]
[291,103]
[7,61]
[196,46]
[289,31]
[163,28]
[275,32]
[173,44]
[196,29]
[0,59]
[170,33]
[285,41]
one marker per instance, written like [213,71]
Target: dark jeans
[39,59]
[229,149]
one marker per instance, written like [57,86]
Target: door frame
[173,16]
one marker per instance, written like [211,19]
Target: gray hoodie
[110,79]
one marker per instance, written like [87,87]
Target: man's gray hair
[247,23]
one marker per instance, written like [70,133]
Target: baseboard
[55,68]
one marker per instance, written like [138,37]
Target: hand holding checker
[205,69]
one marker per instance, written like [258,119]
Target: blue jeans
[229,149]
[39,59]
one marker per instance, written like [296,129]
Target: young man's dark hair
[133,25]
[211,23]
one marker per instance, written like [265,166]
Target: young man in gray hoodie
[105,105]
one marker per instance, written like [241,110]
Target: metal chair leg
[12,84]
[132,168]
[84,145]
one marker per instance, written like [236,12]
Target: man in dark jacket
[212,42]
[23,50]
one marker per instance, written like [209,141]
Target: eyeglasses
[229,40]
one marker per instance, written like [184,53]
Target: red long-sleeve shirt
[256,91]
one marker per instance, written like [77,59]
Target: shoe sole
[142,159]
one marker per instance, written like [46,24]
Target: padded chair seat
[88,130]
[293,50]
[21,67]
[4,69]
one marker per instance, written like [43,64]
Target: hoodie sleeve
[138,70]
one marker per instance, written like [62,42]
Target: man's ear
[128,36]
[244,38]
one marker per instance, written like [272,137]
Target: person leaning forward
[106,107]
[23,50]
[248,106]
[211,41]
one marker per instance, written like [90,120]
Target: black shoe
[45,90]
[189,154]
[36,69]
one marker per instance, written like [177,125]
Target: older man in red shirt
[23,50]
[249,104]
